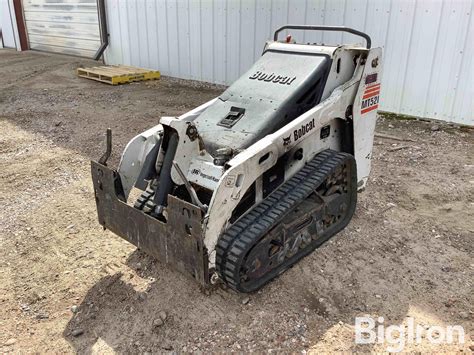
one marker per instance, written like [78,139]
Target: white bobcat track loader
[245,185]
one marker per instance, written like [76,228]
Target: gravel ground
[68,286]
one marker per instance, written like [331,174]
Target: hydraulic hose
[166,184]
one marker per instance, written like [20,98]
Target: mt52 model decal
[370,100]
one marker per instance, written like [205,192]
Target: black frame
[325,28]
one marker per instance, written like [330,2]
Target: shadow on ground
[312,306]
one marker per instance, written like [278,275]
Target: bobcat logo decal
[273,78]
[286,140]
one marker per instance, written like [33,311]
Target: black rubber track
[144,198]
[235,243]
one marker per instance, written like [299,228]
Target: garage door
[7,35]
[63,26]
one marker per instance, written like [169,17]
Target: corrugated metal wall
[63,26]
[428,44]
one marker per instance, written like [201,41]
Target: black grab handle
[324,28]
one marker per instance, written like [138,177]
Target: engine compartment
[279,87]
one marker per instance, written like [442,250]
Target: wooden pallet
[118,74]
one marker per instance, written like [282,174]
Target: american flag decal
[370,99]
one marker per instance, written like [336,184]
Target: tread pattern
[235,243]
[145,201]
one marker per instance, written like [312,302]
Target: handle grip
[325,28]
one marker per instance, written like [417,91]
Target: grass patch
[445,126]
[398,117]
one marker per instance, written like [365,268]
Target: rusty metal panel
[177,242]
[63,26]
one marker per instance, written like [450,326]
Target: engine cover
[279,87]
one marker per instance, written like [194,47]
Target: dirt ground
[68,286]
